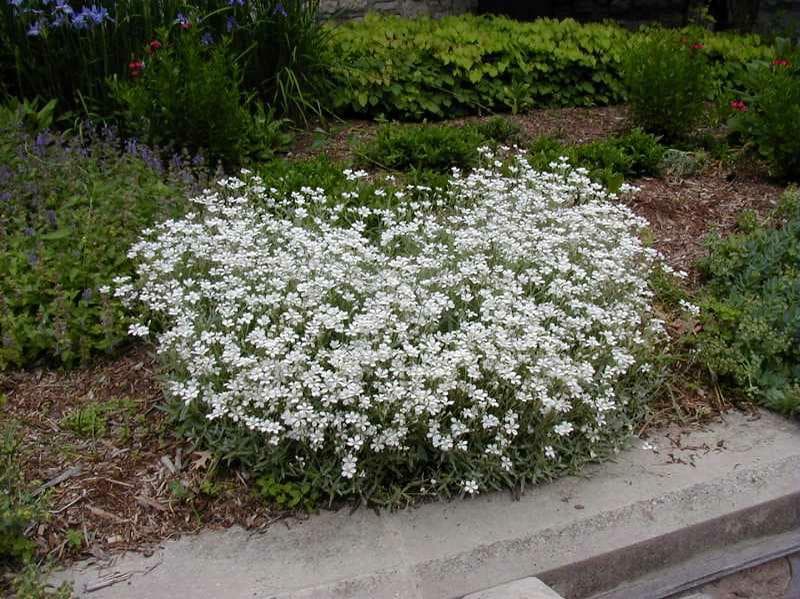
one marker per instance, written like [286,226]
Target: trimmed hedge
[422,68]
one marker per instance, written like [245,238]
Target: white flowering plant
[426,343]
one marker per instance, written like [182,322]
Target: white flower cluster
[509,318]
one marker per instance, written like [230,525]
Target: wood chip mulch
[131,484]
[683,212]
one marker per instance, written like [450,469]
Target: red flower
[739,105]
[135,68]
[697,46]
[781,62]
[153,46]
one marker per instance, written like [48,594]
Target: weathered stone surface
[525,588]
[350,9]
[668,12]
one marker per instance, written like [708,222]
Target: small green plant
[501,130]
[29,583]
[432,147]
[180,491]
[667,81]
[74,538]
[768,117]
[678,163]
[91,420]
[287,495]
[751,309]
[18,507]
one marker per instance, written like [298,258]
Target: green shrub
[608,161]
[69,210]
[189,96]
[287,175]
[769,116]
[432,147]
[435,68]
[415,68]
[667,81]
[751,310]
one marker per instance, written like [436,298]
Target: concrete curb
[643,525]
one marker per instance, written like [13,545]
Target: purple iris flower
[35,30]
[90,16]
[183,21]
[235,2]
[207,39]
[230,23]
[280,10]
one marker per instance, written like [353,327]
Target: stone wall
[350,9]
[632,12]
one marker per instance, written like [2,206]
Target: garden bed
[139,484]
[382,313]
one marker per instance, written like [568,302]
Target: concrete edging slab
[736,481]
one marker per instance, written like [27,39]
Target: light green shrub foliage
[423,67]
[751,309]
[416,68]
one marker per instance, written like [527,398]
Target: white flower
[138,330]
[349,466]
[470,486]
[353,328]
[563,428]
[647,446]
[690,308]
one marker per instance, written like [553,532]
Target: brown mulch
[683,212]
[570,125]
[128,486]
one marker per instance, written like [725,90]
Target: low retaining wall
[350,9]
[669,12]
